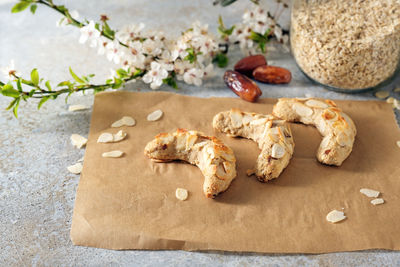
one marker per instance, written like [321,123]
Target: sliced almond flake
[155,115]
[396,104]
[124,121]
[236,118]
[302,110]
[335,216]
[79,107]
[112,154]
[377,201]
[78,141]
[382,94]
[316,104]
[76,168]
[181,194]
[259,121]
[105,138]
[369,192]
[398,143]
[247,119]
[278,151]
[120,135]
[80,160]
[390,100]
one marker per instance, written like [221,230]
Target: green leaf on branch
[107,30]
[19,86]
[223,31]
[8,90]
[221,60]
[15,109]
[117,83]
[42,101]
[35,77]
[21,6]
[76,78]
[171,81]
[261,39]
[48,85]
[12,104]
[64,83]
[192,56]
[122,73]
[33,8]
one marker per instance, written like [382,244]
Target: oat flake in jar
[347,45]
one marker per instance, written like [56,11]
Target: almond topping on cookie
[302,110]
[377,201]
[278,151]
[155,115]
[181,194]
[316,104]
[369,192]
[335,216]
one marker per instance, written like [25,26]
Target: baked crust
[215,160]
[336,127]
[272,135]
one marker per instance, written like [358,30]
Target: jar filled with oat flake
[347,45]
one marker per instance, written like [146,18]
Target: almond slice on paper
[181,194]
[112,154]
[335,216]
[110,138]
[78,141]
[155,115]
[79,107]
[369,192]
[105,138]
[120,135]
[377,201]
[398,143]
[382,94]
[76,168]
[124,121]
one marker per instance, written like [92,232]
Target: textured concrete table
[37,192]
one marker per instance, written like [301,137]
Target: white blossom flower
[130,32]
[152,47]
[155,75]
[89,32]
[64,21]
[193,76]
[209,71]
[114,51]
[180,67]
[9,70]
[101,45]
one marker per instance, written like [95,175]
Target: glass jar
[347,45]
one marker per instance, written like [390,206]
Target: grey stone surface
[37,192]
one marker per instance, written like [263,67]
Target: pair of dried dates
[256,67]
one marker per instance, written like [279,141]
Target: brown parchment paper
[129,202]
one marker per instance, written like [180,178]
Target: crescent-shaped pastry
[272,135]
[336,127]
[215,160]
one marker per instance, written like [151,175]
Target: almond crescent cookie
[215,160]
[336,127]
[272,135]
